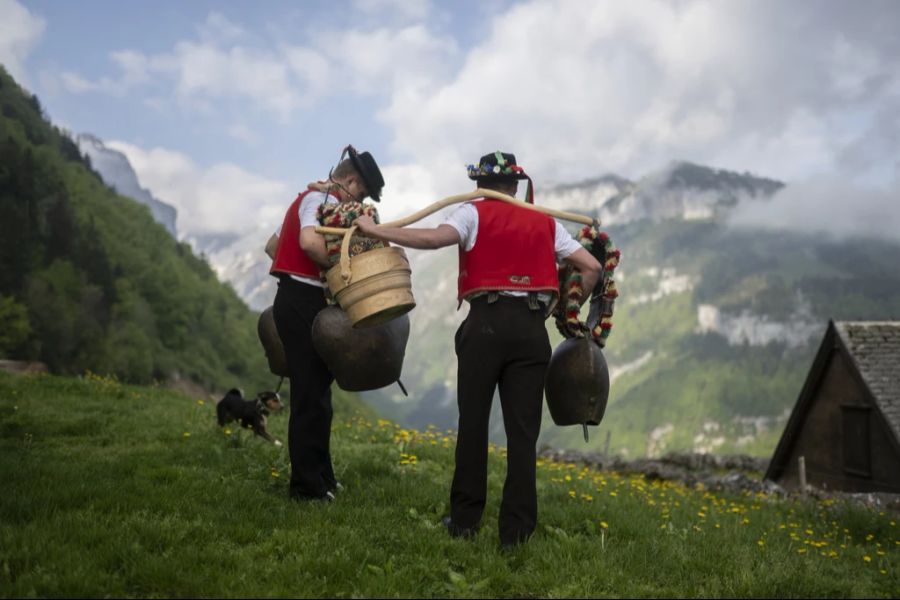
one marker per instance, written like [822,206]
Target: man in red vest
[298,254]
[508,273]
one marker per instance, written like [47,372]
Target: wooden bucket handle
[346,274]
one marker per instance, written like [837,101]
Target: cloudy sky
[226,109]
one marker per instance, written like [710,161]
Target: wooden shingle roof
[874,347]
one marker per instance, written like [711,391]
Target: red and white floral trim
[571,291]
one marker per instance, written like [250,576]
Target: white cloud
[838,207]
[226,63]
[387,61]
[209,199]
[576,89]
[408,189]
[206,72]
[20,30]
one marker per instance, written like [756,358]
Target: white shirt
[307,212]
[465,221]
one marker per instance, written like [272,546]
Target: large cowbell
[577,383]
[268,335]
[360,359]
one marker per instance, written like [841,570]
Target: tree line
[89,281]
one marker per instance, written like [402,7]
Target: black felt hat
[497,166]
[500,166]
[368,169]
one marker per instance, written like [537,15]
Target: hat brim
[499,177]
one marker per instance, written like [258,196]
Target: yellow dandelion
[274,474]
[867,558]
[801,551]
[187,434]
[227,431]
[572,493]
[746,521]
[702,515]
[201,402]
[761,543]
[604,524]
[613,494]
[870,537]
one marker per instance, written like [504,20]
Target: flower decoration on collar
[571,290]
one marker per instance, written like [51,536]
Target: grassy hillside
[113,490]
[89,281]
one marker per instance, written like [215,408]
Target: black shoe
[459,532]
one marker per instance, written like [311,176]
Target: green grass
[112,490]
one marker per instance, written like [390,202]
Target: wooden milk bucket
[372,287]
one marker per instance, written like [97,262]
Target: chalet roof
[874,347]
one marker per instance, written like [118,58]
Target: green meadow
[117,490]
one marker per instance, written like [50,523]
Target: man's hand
[366,225]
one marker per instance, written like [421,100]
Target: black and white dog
[251,413]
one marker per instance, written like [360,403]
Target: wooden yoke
[459,198]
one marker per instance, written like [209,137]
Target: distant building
[846,423]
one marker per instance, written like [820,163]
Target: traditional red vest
[289,256]
[515,249]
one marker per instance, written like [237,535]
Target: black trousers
[309,427]
[501,343]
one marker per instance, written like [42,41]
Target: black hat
[499,166]
[368,169]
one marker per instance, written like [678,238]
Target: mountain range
[715,326]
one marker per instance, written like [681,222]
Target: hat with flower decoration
[500,166]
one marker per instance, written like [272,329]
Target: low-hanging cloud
[836,207]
